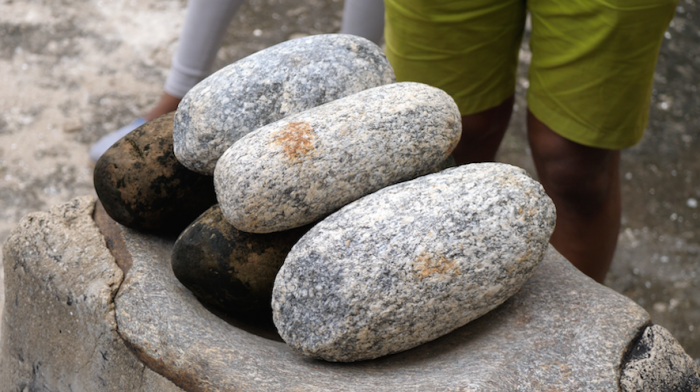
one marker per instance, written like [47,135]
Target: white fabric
[204,29]
[364,18]
[206,23]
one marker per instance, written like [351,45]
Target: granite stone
[269,85]
[304,167]
[142,185]
[412,262]
[231,270]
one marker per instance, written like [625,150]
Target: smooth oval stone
[304,167]
[269,85]
[142,185]
[412,262]
[229,269]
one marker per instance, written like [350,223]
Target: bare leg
[200,40]
[482,133]
[166,104]
[205,25]
[584,184]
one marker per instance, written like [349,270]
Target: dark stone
[655,361]
[228,269]
[142,185]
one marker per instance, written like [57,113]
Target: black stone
[142,185]
[231,270]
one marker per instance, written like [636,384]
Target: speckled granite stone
[142,185]
[300,169]
[269,85]
[229,269]
[412,262]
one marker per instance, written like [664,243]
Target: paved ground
[73,70]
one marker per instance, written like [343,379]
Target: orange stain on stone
[428,265]
[296,140]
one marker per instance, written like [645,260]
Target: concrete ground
[74,70]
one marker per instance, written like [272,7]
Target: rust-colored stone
[427,265]
[297,140]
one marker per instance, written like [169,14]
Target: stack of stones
[334,214]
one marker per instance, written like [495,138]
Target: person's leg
[205,25]
[202,33]
[166,104]
[469,49]
[584,184]
[200,40]
[364,18]
[591,78]
[482,134]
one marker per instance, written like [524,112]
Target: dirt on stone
[74,70]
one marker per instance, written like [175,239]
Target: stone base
[58,330]
[72,322]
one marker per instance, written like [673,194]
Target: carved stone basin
[72,323]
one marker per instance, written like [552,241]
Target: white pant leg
[364,18]
[200,40]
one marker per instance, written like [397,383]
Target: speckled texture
[656,362]
[412,262]
[269,85]
[561,332]
[142,185]
[302,168]
[58,329]
[229,269]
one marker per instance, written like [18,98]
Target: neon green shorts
[592,66]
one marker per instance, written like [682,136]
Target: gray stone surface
[269,85]
[657,362]
[304,167]
[412,262]
[562,331]
[58,331]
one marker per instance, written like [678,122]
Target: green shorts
[592,66]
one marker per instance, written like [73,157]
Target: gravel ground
[74,70]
